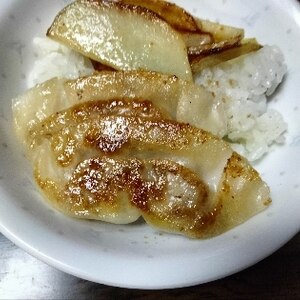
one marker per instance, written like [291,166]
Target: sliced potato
[180,20]
[198,63]
[176,16]
[220,32]
[214,47]
[196,39]
[122,36]
[224,37]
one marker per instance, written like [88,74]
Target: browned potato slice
[179,19]
[196,39]
[176,16]
[224,37]
[201,36]
[198,63]
[220,32]
[122,36]
[214,47]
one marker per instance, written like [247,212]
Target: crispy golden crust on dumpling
[173,97]
[115,168]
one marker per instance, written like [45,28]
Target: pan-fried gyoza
[117,160]
[142,135]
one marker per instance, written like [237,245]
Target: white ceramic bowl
[136,255]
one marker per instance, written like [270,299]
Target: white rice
[242,84]
[55,60]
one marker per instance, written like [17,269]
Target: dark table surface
[24,277]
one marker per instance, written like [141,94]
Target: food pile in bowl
[138,109]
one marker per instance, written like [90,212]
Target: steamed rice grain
[243,85]
[56,60]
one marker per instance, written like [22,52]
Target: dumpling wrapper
[116,167]
[177,98]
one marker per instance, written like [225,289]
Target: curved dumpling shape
[119,166]
[178,99]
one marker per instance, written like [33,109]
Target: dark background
[24,277]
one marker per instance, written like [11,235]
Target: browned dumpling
[176,98]
[116,167]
